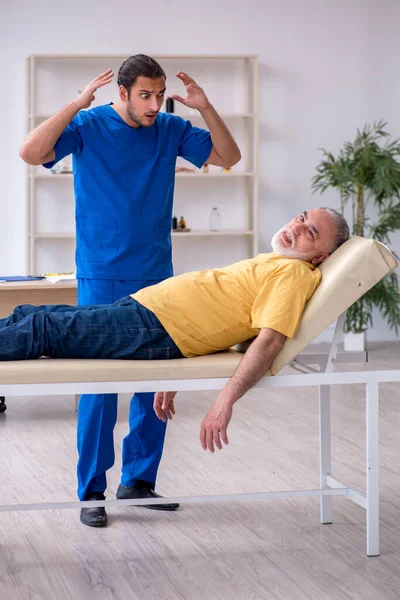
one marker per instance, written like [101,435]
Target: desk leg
[325,449]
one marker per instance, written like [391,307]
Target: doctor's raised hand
[86,97]
[195,96]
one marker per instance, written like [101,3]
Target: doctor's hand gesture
[163,405]
[195,96]
[86,97]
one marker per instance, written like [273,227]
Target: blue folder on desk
[19,278]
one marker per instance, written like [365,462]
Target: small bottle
[174,223]
[215,220]
[205,168]
[169,105]
[182,223]
[224,170]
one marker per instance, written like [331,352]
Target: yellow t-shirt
[208,311]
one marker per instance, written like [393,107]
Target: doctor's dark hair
[136,66]
[342,228]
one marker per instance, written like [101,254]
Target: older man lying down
[192,314]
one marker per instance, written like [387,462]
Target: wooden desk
[37,292]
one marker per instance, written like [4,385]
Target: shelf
[205,232]
[155,56]
[54,235]
[206,175]
[195,115]
[53,176]
[194,233]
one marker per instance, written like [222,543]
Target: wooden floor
[265,550]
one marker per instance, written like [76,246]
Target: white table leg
[325,449]
[372,467]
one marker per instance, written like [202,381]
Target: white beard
[282,250]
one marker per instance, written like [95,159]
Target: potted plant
[366,172]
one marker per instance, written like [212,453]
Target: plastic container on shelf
[215,220]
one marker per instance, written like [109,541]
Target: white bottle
[215,220]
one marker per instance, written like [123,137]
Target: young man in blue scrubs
[124,157]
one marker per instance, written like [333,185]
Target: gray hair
[342,228]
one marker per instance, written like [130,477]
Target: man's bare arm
[253,366]
[38,147]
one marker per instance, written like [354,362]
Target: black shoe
[94,517]
[142,489]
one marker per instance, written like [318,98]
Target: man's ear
[123,94]
[320,258]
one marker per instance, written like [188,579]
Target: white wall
[324,71]
[384,96]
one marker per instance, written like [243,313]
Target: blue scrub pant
[97,414]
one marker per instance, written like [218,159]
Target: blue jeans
[97,414]
[123,330]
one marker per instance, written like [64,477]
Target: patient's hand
[214,425]
[164,405]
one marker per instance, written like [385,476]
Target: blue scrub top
[124,181]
